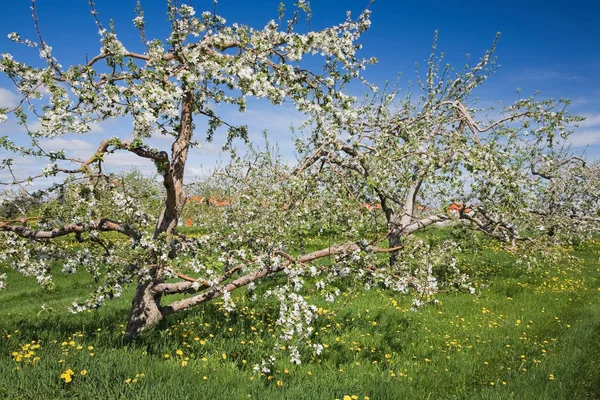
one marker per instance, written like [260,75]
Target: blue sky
[550,46]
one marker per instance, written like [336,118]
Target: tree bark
[145,308]
[394,240]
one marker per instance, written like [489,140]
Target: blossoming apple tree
[510,175]
[163,88]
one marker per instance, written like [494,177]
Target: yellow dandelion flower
[179,352]
[67,375]
[83,372]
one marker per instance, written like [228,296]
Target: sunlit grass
[526,334]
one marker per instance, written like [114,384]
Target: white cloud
[8,99]
[196,173]
[584,138]
[66,144]
[157,135]
[96,128]
[590,120]
[208,148]
[546,74]
[126,161]
[589,135]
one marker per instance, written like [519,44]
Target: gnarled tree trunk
[145,307]
[145,310]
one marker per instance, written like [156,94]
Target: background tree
[418,154]
[16,204]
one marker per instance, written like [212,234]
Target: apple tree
[164,87]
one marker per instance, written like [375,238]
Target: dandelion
[67,375]
[83,372]
[179,352]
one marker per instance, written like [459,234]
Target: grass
[527,334]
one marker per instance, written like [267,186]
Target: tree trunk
[145,310]
[394,240]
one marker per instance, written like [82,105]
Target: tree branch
[102,225]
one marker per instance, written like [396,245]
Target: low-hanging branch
[190,287]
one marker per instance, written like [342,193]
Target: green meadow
[527,333]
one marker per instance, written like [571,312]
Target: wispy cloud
[546,74]
[588,132]
[585,138]
[590,120]
[8,99]
[66,144]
